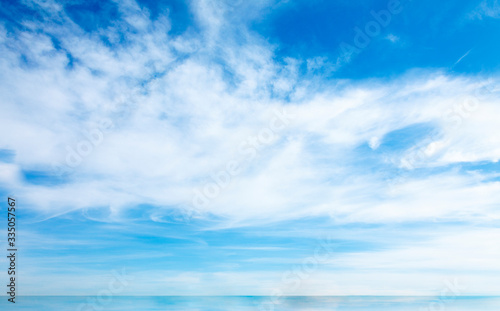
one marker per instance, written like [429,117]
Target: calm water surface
[253,303]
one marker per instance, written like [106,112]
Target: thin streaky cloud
[393,153]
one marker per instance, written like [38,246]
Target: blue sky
[424,34]
[212,147]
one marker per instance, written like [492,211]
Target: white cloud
[487,8]
[393,38]
[181,108]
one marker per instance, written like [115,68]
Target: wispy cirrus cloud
[183,104]
[487,9]
[181,113]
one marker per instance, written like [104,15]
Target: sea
[244,303]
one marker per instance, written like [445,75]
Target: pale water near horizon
[247,303]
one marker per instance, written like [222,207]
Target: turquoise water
[252,303]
